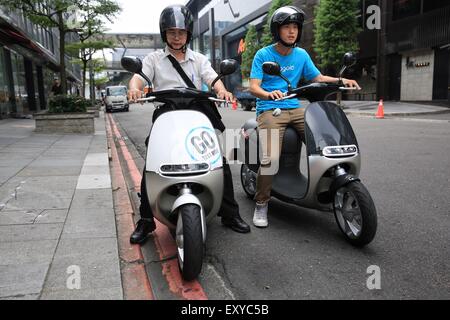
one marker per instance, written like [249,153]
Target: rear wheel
[355,213]
[189,239]
[248,180]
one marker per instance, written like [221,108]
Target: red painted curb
[189,290]
[135,282]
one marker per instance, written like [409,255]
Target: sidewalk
[391,108]
[58,236]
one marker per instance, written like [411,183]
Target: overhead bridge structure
[134,44]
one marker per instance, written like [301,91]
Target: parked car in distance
[116,98]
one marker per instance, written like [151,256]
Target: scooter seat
[291,141]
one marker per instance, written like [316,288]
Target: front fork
[185,196]
[340,178]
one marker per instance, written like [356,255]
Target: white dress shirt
[158,68]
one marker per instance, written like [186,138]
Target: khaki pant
[271,133]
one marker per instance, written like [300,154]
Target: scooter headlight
[188,168]
[340,151]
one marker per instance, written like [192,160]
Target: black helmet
[176,16]
[286,15]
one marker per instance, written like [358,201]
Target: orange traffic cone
[234,105]
[380,112]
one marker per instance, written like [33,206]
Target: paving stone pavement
[57,226]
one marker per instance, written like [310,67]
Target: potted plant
[66,114]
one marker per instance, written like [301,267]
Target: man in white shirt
[176,25]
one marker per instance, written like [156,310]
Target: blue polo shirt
[294,66]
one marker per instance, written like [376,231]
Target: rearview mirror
[134,65]
[272,68]
[131,64]
[228,66]
[349,59]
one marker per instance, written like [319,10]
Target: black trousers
[229,207]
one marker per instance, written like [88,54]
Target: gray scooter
[333,160]
[184,165]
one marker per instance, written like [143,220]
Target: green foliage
[53,14]
[68,104]
[251,46]
[101,81]
[266,38]
[98,65]
[43,13]
[83,50]
[336,30]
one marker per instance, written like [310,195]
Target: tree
[90,17]
[84,51]
[336,30]
[101,81]
[53,14]
[251,46]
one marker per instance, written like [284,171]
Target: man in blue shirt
[286,26]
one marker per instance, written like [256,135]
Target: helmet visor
[175,19]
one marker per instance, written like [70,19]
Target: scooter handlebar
[290,96]
[349,88]
[149,99]
[217,100]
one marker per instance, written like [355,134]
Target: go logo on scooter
[202,146]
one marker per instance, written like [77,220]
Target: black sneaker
[142,231]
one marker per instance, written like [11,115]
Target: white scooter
[333,161]
[184,165]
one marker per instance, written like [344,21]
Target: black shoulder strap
[211,113]
[180,70]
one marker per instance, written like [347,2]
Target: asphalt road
[303,255]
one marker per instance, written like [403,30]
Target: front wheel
[189,239]
[355,213]
[248,180]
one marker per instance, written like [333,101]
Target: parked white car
[116,98]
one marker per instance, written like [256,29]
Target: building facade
[29,61]
[221,25]
[407,59]
[411,53]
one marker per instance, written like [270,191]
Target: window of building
[51,46]
[430,5]
[405,8]
[4,90]
[196,44]
[18,72]
[36,88]
[48,75]
[205,44]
